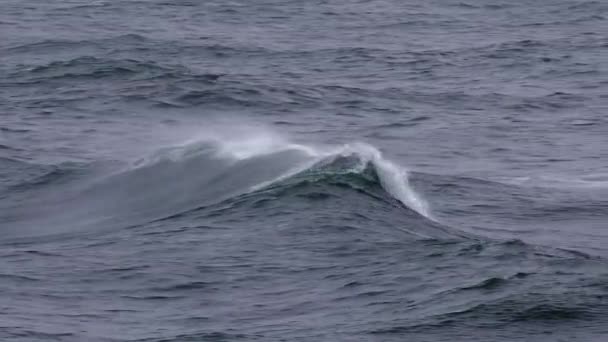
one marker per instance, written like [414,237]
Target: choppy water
[303,170]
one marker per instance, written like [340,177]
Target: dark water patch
[180,3]
[16,174]
[488,284]
[507,315]
[92,67]
[14,130]
[130,38]
[18,332]
[232,91]
[152,298]
[194,285]
[50,46]
[240,52]
[515,311]
[17,277]
[47,175]
[41,253]
[5,147]
[549,312]
[593,5]
[236,97]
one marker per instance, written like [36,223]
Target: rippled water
[303,170]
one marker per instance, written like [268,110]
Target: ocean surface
[282,170]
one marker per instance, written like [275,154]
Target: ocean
[281,170]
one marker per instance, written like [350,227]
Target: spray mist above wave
[392,177]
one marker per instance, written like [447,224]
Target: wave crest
[348,158]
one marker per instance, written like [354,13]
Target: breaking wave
[208,171]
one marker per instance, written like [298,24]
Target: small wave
[506,312]
[17,176]
[93,67]
[487,284]
[48,46]
[517,311]
[14,130]
[51,46]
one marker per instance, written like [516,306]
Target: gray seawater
[265,170]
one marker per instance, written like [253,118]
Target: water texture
[303,170]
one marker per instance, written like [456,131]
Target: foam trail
[593,181]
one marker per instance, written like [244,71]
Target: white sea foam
[394,178]
[592,181]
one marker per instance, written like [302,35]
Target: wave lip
[393,178]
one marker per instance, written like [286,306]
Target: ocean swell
[208,171]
